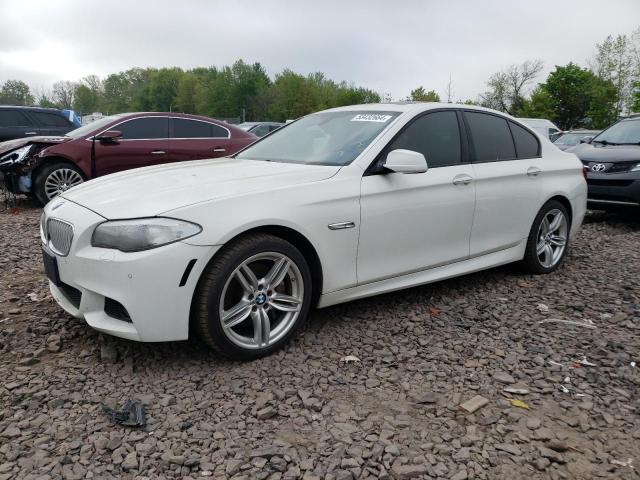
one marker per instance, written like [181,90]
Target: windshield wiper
[605,142]
[628,143]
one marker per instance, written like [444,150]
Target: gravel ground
[395,412]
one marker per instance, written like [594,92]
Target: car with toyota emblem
[612,164]
[338,205]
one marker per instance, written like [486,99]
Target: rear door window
[436,135]
[145,128]
[490,136]
[14,118]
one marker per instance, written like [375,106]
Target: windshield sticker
[371,117]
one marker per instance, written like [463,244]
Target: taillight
[584,172]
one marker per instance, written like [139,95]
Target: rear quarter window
[13,118]
[50,119]
[527,145]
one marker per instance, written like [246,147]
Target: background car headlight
[15,156]
[142,233]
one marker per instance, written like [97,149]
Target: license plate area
[51,267]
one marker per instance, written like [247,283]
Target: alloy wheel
[60,181]
[552,238]
[261,300]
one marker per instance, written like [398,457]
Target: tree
[507,88]
[15,92]
[616,62]
[539,105]
[186,96]
[63,94]
[421,95]
[580,98]
[635,98]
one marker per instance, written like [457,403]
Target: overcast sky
[386,46]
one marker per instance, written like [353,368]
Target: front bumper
[614,189]
[146,284]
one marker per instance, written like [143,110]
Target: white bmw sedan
[338,205]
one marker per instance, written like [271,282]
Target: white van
[543,126]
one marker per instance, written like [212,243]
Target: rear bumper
[622,189]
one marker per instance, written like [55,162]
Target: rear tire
[54,179]
[253,297]
[548,239]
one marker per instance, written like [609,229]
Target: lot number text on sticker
[371,117]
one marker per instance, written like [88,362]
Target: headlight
[142,233]
[15,156]
[636,168]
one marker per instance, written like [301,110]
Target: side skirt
[431,275]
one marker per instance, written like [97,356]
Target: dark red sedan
[47,166]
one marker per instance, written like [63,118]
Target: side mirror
[406,161]
[586,139]
[109,136]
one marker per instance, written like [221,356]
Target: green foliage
[579,98]
[15,92]
[539,105]
[635,98]
[421,95]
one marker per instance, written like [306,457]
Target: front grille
[621,167]
[60,235]
[73,294]
[116,310]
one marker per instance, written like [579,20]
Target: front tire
[548,239]
[54,179]
[253,296]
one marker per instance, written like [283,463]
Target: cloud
[389,47]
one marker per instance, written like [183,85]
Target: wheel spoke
[247,279]
[236,314]
[545,226]
[540,247]
[548,256]
[277,273]
[555,223]
[285,303]
[261,327]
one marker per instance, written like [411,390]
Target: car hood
[155,190]
[10,145]
[588,152]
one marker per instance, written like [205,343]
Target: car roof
[33,109]
[411,107]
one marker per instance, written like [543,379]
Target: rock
[509,448]
[11,432]
[28,361]
[551,455]
[557,445]
[424,397]
[542,463]
[266,413]
[461,475]
[503,377]
[474,404]
[130,462]
[108,353]
[54,343]
[401,472]
[533,423]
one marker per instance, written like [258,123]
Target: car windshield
[622,133]
[570,139]
[91,127]
[325,138]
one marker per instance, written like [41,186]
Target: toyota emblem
[598,167]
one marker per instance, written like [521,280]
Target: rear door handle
[219,149]
[30,133]
[462,179]
[533,171]
[158,152]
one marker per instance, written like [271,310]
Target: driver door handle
[30,133]
[462,179]
[219,149]
[158,152]
[533,171]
